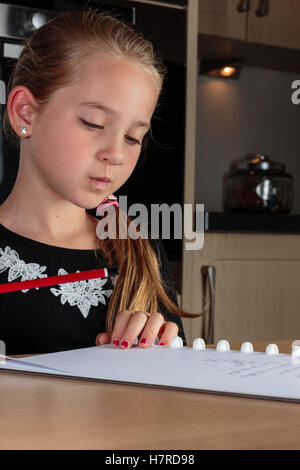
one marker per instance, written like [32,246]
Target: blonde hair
[51,59]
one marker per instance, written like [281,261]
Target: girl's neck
[83,237]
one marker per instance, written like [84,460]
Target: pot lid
[262,162]
[257,162]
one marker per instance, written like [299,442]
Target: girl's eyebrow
[107,110]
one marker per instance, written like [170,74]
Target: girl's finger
[121,322]
[153,325]
[134,327]
[167,332]
[103,338]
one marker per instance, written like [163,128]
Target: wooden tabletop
[40,412]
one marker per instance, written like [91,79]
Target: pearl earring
[23,130]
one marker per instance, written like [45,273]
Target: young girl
[82,96]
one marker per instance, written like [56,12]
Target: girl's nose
[111,151]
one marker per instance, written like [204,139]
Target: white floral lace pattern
[82,294]
[9,259]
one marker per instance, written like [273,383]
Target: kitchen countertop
[237,222]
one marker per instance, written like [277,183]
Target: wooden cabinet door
[257,288]
[257,300]
[280,27]
[221,18]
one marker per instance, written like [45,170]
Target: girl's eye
[90,125]
[132,141]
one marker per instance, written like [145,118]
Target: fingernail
[116,342]
[143,341]
[161,344]
[125,344]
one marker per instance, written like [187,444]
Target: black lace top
[60,317]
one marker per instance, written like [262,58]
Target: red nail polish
[161,344]
[125,344]
[143,341]
[116,342]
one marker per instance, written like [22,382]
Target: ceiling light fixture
[221,68]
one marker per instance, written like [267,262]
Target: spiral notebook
[253,374]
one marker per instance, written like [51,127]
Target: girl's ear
[21,109]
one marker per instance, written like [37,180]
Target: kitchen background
[244,283]
[253,114]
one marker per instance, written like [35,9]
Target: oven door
[9,152]
[17,23]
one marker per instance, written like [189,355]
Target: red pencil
[54,280]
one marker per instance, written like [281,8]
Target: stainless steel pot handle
[209,284]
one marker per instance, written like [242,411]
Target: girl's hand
[144,326]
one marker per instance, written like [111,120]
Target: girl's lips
[101,178]
[100,182]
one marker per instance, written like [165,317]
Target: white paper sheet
[232,372]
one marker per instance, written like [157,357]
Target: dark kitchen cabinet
[268,22]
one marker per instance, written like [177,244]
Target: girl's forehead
[117,72]
[115,83]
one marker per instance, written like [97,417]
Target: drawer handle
[209,283]
[243,6]
[263,9]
